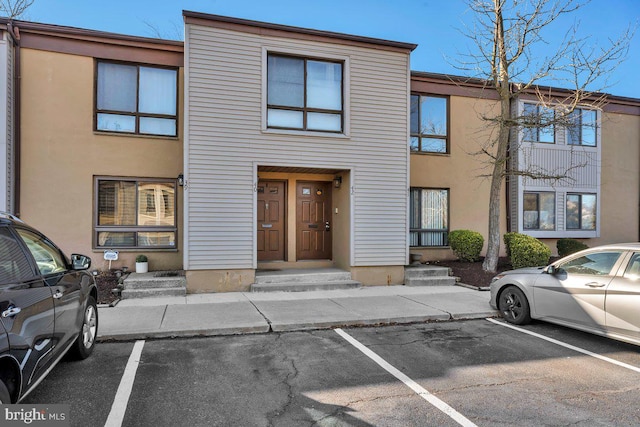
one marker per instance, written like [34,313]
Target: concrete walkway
[247,312]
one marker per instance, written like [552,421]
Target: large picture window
[584,127]
[429,124]
[538,124]
[134,213]
[429,217]
[581,211]
[539,211]
[136,99]
[304,94]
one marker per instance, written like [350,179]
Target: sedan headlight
[498,277]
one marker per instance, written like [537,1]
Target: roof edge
[287,28]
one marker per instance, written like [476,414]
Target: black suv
[47,307]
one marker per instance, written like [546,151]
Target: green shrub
[527,251]
[141,258]
[466,244]
[569,246]
[507,241]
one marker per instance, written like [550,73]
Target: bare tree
[511,54]
[13,9]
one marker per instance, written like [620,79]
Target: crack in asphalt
[291,375]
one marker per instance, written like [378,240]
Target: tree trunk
[495,196]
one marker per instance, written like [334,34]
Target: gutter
[15,38]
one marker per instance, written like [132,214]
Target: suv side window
[14,264]
[48,257]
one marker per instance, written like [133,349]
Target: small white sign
[111,255]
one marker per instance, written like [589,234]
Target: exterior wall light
[181,180]
[337,181]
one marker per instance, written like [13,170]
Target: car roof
[633,246]
[9,219]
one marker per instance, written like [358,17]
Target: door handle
[11,312]
[595,285]
[327,226]
[58,294]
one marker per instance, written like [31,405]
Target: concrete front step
[157,292]
[302,286]
[427,275]
[426,270]
[159,283]
[429,281]
[320,275]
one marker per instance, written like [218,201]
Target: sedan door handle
[11,312]
[595,285]
[58,294]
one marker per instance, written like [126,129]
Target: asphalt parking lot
[476,372]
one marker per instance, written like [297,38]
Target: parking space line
[119,407]
[422,392]
[569,346]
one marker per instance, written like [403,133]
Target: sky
[437,26]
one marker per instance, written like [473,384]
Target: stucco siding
[6,121]
[226,141]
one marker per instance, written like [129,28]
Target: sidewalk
[247,312]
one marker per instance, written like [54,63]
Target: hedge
[569,246]
[466,244]
[527,251]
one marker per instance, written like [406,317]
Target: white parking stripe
[119,407]
[569,346]
[448,410]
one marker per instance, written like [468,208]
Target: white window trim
[346,84]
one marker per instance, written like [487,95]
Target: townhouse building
[255,146]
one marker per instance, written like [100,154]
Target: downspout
[15,36]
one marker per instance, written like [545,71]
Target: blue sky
[435,25]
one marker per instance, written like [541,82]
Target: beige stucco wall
[61,154]
[202,281]
[461,172]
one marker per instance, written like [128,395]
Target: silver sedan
[596,290]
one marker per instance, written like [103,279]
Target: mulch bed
[106,281]
[471,273]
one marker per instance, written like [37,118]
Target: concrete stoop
[427,275]
[303,280]
[154,284]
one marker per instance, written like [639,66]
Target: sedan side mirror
[80,262]
[552,270]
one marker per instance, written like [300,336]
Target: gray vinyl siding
[580,166]
[224,143]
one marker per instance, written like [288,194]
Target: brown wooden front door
[313,220]
[271,220]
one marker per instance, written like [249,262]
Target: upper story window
[535,118]
[136,99]
[429,124]
[539,211]
[304,94]
[583,130]
[581,212]
[134,213]
[429,217]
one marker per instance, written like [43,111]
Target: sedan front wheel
[513,306]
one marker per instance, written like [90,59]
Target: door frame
[285,219]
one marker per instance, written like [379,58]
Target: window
[581,212]
[535,117]
[429,124]
[135,213]
[539,211]
[304,94]
[583,128]
[14,265]
[599,264]
[136,99]
[429,217]
[47,256]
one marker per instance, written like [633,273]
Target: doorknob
[327,226]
